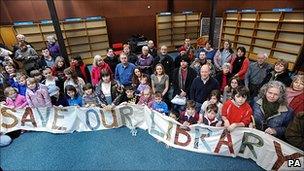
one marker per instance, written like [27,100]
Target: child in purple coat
[37,94]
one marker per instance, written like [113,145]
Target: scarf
[270,108]
[291,94]
[181,82]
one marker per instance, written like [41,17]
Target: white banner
[267,151]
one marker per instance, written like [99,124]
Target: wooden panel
[232,16]
[261,50]
[179,24]
[291,37]
[193,23]
[244,40]
[270,26]
[79,48]
[93,24]
[100,38]
[248,16]
[285,56]
[38,46]
[265,34]
[288,47]
[179,18]
[8,35]
[229,30]
[76,33]
[32,29]
[292,26]
[192,29]
[78,40]
[178,30]
[71,26]
[164,26]
[229,37]
[164,38]
[178,37]
[98,46]
[246,32]
[264,43]
[294,17]
[230,23]
[247,24]
[99,52]
[34,38]
[97,31]
[193,17]
[164,19]
[164,32]
[270,16]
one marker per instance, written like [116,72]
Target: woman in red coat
[295,94]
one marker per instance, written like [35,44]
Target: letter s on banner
[5,113]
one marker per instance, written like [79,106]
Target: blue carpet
[108,149]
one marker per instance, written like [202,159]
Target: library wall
[123,16]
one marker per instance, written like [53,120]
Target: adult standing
[270,111]
[166,60]
[240,64]
[223,55]
[145,61]
[132,58]
[53,46]
[256,74]
[202,86]
[124,71]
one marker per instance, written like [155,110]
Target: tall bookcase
[84,37]
[279,34]
[172,29]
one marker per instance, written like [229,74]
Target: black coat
[191,75]
[168,64]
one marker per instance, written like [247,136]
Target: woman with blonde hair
[99,65]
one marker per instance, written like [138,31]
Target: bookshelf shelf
[279,34]
[81,37]
[172,29]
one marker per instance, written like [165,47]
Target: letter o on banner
[88,113]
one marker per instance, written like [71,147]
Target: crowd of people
[215,87]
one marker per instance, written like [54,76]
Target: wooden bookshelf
[279,34]
[173,29]
[84,37]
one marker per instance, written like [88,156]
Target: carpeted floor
[113,149]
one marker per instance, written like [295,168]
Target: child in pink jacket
[13,99]
[37,94]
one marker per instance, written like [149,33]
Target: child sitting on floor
[214,98]
[190,116]
[144,84]
[89,98]
[13,99]
[74,99]
[20,83]
[37,94]
[146,98]
[237,112]
[159,105]
[210,116]
[127,97]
